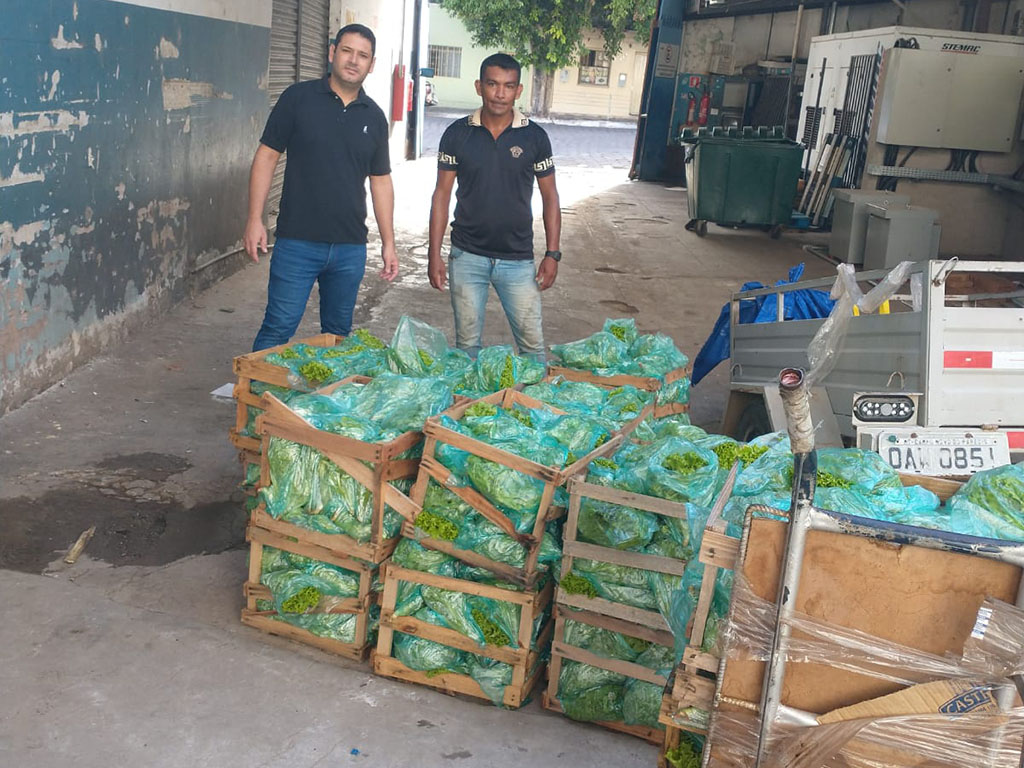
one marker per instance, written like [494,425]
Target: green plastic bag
[991,504]
[417,349]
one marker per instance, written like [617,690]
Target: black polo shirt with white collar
[331,149]
[493,215]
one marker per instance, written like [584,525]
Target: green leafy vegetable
[606,463]
[522,416]
[425,358]
[476,410]
[437,527]
[289,354]
[637,644]
[342,351]
[369,340]
[493,634]
[729,453]
[508,378]
[574,584]
[684,755]
[630,408]
[618,332]
[304,600]
[684,463]
[315,372]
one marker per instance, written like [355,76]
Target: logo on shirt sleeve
[543,165]
[516,151]
[444,157]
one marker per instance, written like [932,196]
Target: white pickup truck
[934,382]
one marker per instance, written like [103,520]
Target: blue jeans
[294,266]
[470,276]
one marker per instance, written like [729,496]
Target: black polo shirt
[331,149]
[493,216]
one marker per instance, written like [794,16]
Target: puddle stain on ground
[138,521]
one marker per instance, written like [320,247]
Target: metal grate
[445,60]
[812,126]
[313,39]
[857,107]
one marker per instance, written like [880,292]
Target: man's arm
[260,176]
[548,270]
[438,225]
[382,191]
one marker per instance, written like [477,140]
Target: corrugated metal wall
[298,51]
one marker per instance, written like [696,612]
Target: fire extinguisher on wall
[705,104]
[398,93]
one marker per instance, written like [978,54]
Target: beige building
[596,87]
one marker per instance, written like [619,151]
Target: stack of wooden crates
[527,651]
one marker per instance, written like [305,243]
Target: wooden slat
[354,651]
[698,659]
[338,543]
[490,452]
[719,550]
[624,557]
[459,585]
[640,631]
[475,499]
[619,380]
[505,571]
[243,443]
[280,421]
[445,636]
[625,612]
[941,486]
[691,690]
[652,735]
[451,683]
[628,499]
[627,668]
[298,545]
[254,366]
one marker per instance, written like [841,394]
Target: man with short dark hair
[335,137]
[495,154]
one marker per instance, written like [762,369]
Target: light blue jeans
[469,278]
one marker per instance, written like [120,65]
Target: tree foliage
[548,34]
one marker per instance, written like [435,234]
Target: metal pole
[792,67]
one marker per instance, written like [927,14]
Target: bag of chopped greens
[417,349]
[601,351]
[991,504]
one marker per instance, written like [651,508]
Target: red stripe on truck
[958,358]
[1016,440]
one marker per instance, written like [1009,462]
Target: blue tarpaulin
[805,304]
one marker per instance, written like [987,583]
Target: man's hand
[255,239]
[436,272]
[546,273]
[390,259]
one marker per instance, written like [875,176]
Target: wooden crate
[245,458]
[373,465]
[431,468]
[253,367]
[646,383]
[254,590]
[560,651]
[571,549]
[693,680]
[526,659]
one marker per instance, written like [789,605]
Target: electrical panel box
[950,100]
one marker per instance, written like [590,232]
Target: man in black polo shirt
[335,137]
[495,154]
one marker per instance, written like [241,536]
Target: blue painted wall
[126,135]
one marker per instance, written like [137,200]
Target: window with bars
[594,68]
[445,60]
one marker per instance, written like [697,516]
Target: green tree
[548,34]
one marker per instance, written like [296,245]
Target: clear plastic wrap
[991,504]
[824,350]
[959,734]
[417,349]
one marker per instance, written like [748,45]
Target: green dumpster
[742,177]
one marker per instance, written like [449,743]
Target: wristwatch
[556,255]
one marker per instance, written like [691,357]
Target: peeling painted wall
[126,134]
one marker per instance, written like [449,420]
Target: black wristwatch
[556,255]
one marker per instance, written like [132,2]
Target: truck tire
[753,422]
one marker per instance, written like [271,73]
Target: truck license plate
[943,451]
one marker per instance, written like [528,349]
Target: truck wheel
[753,422]
[701,228]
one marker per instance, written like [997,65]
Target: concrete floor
[135,654]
